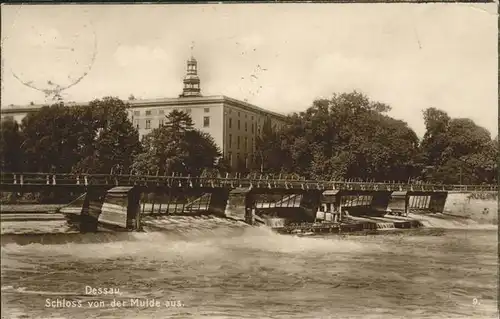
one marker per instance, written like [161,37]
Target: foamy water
[223,269]
[445,221]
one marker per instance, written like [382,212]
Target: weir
[120,201]
[121,207]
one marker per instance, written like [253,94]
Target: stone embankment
[480,207]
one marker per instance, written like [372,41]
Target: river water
[216,268]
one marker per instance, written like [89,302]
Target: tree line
[346,137]
[350,137]
[100,138]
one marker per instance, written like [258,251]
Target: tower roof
[191,80]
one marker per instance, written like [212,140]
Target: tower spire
[191,80]
[192,49]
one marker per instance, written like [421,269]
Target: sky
[277,56]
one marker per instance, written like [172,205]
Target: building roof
[143,103]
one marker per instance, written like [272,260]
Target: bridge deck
[47,180]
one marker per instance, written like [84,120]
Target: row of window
[253,126]
[238,142]
[162,112]
[239,114]
[206,123]
[246,116]
[230,125]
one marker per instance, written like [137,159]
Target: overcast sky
[411,56]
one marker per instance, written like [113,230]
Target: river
[220,269]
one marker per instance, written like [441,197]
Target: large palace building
[233,124]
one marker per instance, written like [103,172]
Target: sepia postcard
[249,160]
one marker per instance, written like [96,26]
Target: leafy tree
[107,137]
[269,152]
[176,147]
[345,137]
[91,138]
[457,150]
[435,138]
[10,146]
[203,152]
[49,139]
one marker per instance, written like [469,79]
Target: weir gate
[122,201]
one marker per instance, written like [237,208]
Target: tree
[435,138]
[176,147]
[345,137]
[203,152]
[10,146]
[269,152]
[49,139]
[108,138]
[458,150]
[91,138]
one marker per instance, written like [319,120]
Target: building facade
[233,124]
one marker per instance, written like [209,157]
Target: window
[246,127]
[252,117]
[239,114]
[246,116]
[162,121]
[252,127]
[239,124]
[161,112]
[206,121]
[230,140]
[230,158]
[251,144]
[246,143]
[238,142]
[188,111]
[136,123]
[148,124]
[230,123]
[148,112]
[137,113]
[206,110]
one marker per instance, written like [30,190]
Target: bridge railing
[68,179]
